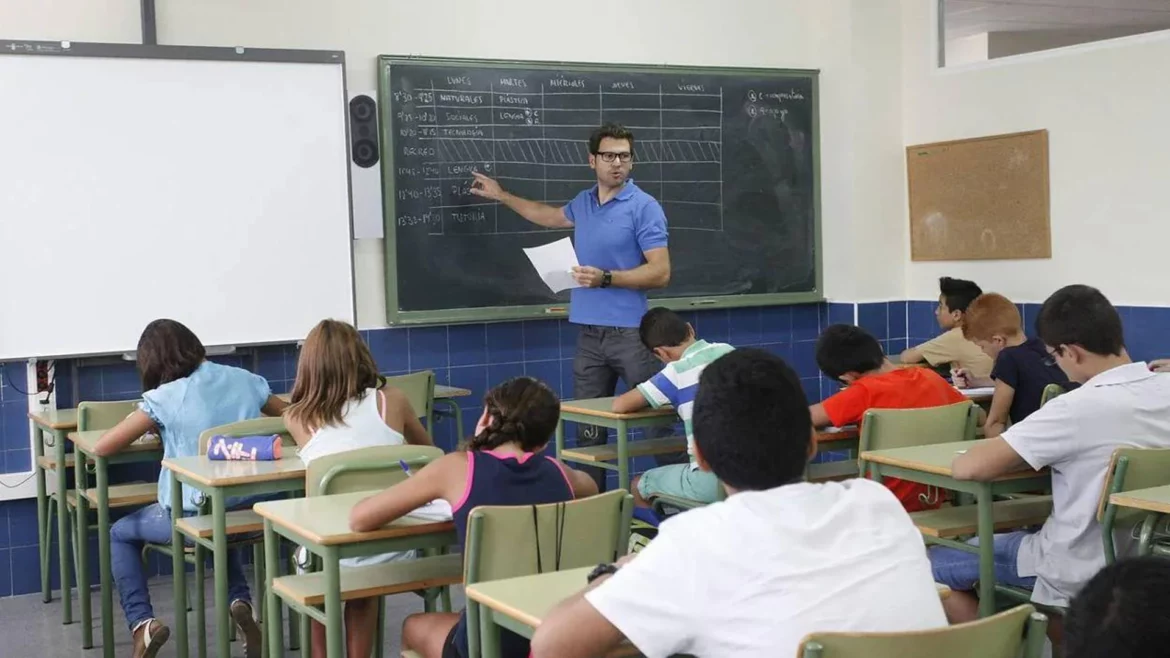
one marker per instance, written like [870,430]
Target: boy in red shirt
[853,357]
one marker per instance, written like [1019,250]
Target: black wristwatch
[601,570]
[606,279]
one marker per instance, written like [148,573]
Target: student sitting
[1023,367]
[341,403]
[752,575]
[950,348]
[183,395]
[1122,612]
[851,356]
[673,341]
[502,467]
[1120,403]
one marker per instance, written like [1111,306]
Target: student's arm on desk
[987,460]
[273,406]
[629,402]
[1001,403]
[911,355]
[443,478]
[819,417]
[401,417]
[124,433]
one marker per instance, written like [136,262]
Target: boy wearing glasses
[619,232]
[1120,403]
[1023,367]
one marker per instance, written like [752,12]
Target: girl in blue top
[501,467]
[183,395]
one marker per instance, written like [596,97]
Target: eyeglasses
[610,156]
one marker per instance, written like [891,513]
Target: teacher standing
[619,233]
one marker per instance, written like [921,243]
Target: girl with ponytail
[501,466]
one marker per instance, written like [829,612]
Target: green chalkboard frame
[396,317]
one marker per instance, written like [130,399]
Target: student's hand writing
[590,277]
[960,377]
[486,187]
[1160,365]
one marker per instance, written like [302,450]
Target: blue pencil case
[244,448]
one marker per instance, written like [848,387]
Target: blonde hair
[334,368]
[991,314]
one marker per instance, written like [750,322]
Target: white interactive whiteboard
[206,185]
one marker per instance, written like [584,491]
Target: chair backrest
[884,429]
[419,389]
[103,415]
[1131,469]
[505,541]
[365,469]
[1051,392]
[253,427]
[1014,633]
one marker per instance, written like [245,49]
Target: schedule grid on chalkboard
[737,182]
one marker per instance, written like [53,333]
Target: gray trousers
[603,355]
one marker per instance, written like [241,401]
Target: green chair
[1051,392]
[886,429]
[507,542]
[371,469]
[1131,469]
[1015,633]
[419,389]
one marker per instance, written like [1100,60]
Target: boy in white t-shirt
[1121,403]
[749,577]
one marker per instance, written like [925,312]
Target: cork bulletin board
[980,199]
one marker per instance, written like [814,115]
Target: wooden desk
[931,465]
[599,412]
[1155,500]
[218,480]
[83,446]
[56,423]
[321,525]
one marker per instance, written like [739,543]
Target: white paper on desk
[554,262]
[436,510]
[981,392]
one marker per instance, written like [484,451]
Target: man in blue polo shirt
[620,238]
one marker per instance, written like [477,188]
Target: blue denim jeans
[153,525]
[959,570]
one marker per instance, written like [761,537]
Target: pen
[405,467]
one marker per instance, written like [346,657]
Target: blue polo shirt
[613,237]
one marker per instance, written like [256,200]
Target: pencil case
[244,448]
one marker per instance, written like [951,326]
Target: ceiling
[968,17]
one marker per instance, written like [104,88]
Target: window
[980,30]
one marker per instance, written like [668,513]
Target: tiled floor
[31,629]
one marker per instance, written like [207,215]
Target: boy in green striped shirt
[673,341]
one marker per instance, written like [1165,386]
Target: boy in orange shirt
[853,357]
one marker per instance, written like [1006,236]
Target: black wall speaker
[363,131]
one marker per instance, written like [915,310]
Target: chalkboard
[731,154]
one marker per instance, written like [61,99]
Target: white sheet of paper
[554,262]
[436,510]
[977,392]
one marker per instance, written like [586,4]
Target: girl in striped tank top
[502,466]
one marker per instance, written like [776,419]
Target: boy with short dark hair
[672,340]
[1023,367]
[780,558]
[853,357]
[1123,612]
[950,348]
[1119,403]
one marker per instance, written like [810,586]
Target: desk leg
[223,619]
[179,568]
[107,579]
[63,538]
[334,633]
[1146,538]
[623,449]
[489,634]
[272,617]
[457,413]
[84,591]
[560,438]
[986,535]
[44,533]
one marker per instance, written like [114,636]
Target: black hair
[612,131]
[1081,315]
[958,293]
[751,420]
[845,348]
[522,409]
[167,350]
[662,327]
[1122,612]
